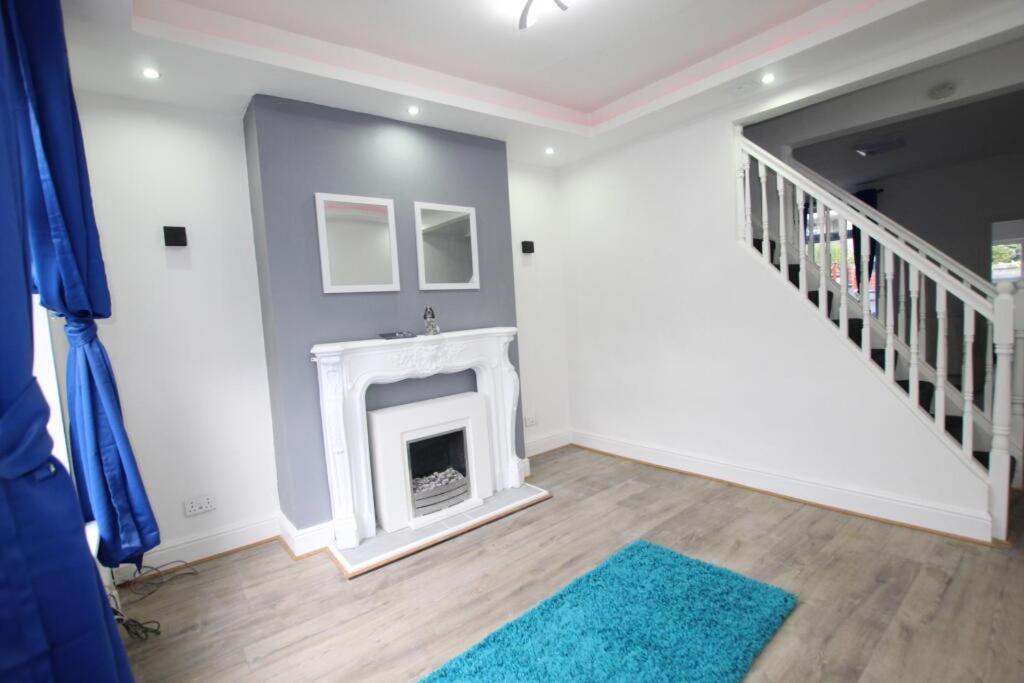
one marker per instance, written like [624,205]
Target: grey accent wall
[296,149]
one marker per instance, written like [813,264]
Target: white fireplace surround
[346,369]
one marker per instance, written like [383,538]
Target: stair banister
[967,424]
[865,292]
[940,357]
[915,362]
[920,260]
[844,282]
[802,260]
[912,263]
[946,262]
[766,250]
[890,332]
[780,187]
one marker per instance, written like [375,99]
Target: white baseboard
[202,546]
[305,540]
[949,520]
[543,444]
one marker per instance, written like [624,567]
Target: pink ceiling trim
[374,70]
[745,53]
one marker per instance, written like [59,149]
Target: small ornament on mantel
[430,322]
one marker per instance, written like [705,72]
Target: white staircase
[948,342]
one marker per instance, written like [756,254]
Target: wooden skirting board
[434,541]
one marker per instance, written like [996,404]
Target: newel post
[999,457]
[1017,400]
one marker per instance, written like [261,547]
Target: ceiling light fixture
[768,78]
[414,110]
[549,150]
[528,19]
[150,73]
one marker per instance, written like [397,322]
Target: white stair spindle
[901,277]
[766,244]
[967,384]
[880,283]
[940,356]
[780,186]
[747,224]
[922,307]
[823,257]
[999,456]
[844,276]
[890,340]
[986,392]
[915,329]
[802,236]
[865,292]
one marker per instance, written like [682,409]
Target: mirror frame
[474,246]
[320,198]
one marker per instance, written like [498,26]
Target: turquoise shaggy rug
[645,614]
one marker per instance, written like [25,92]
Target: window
[45,371]
[1006,260]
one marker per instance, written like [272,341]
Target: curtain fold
[68,273]
[55,620]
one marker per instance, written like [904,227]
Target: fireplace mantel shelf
[346,369]
[333,348]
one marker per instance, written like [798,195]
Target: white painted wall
[540,304]
[688,351]
[185,339]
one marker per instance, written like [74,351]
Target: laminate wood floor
[877,602]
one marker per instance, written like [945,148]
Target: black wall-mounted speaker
[174,236]
[528,246]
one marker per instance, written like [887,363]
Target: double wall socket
[199,505]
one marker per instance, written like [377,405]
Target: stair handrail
[944,260]
[982,302]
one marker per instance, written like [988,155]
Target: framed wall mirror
[447,247]
[358,247]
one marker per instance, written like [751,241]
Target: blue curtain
[67,270]
[55,623]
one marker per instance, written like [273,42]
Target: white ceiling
[584,58]
[490,79]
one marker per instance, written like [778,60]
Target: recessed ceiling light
[768,78]
[150,73]
[414,110]
[549,150]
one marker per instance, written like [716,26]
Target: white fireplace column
[346,369]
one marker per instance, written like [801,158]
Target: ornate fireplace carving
[346,369]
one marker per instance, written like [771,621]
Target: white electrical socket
[531,421]
[199,505]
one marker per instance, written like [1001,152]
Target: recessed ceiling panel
[584,58]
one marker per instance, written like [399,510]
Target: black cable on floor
[140,630]
[152,579]
[144,587]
